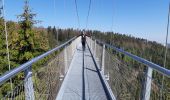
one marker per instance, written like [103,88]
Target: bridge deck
[82,81]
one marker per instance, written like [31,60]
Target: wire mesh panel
[16,94]
[47,75]
[130,80]
[98,54]
[47,80]
[53,74]
[125,81]
[160,88]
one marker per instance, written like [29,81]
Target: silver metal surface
[65,60]
[103,60]
[82,80]
[28,84]
[94,48]
[148,82]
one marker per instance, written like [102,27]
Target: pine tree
[26,34]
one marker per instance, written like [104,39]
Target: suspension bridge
[93,73]
[77,74]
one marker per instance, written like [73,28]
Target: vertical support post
[72,48]
[65,59]
[103,59]
[148,82]
[28,84]
[57,35]
[90,43]
[94,48]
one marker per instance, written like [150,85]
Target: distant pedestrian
[83,40]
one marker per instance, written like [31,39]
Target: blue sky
[140,18]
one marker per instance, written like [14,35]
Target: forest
[150,50]
[27,41]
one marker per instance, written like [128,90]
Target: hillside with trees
[27,41]
[150,50]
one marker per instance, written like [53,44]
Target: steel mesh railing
[99,55]
[16,94]
[125,81]
[128,76]
[48,76]
[47,80]
[157,89]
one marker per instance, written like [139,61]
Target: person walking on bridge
[83,40]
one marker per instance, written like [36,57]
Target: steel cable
[78,18]
[87,19]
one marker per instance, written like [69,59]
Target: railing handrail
[15,71]
[156,67]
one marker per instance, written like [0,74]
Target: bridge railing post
[95,48]
[91,43]
[28,84]
[65,59]
[147,84]
[103,59]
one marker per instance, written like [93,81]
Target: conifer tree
[26,34]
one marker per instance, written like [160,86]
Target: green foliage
[26,42]
[6,87]
[22,45]
[52,34]
[26,35]
[149,50]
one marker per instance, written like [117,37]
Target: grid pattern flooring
[82,81]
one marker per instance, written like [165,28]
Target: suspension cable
[78,19]
[55,15]
[166,51]
[54,7]
[166,44]
[87,19]
[112,17]
[6,36]
[112,23]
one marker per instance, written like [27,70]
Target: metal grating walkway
[82,81]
